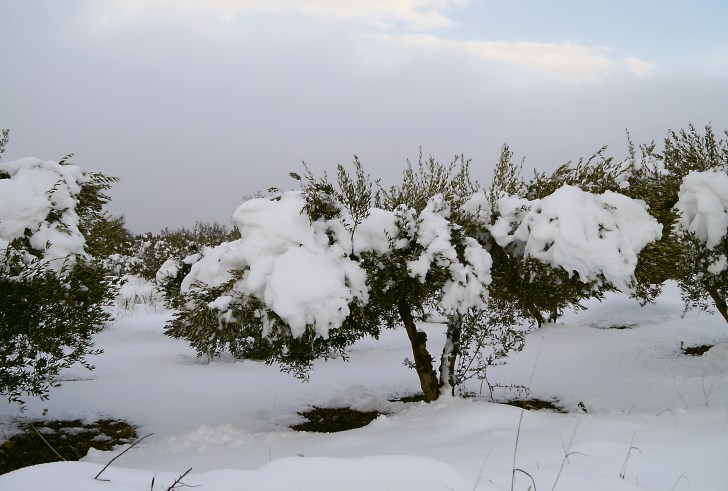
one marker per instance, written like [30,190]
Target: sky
[196,104]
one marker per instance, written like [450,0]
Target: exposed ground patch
[331,420]
[535,405]
[618,327]
[51,441]
[695,350]
[409,398]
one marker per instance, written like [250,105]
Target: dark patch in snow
[619,327]
[330,420]
[69,439]
[409,398]
[695,350]
[535,405]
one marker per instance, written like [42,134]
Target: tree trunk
[537,316]
[450,353]
[422,358]
[720,303]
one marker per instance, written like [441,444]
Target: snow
[135,290]
[374,232]
[433,233]
[276,223]
[34,189]
[229,421]
[305,288]
[703,206]
[167,270]
[719,265]
[467,286]
[288,263]
[591,235]
[215,266]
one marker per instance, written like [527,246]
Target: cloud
[640,67]
[564,61]
[414,14]
[203,119]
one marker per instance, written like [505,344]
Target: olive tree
[52,291]
[685,188]
[317,269]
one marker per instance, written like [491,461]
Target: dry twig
[46,442]
[122,453]
[178,481]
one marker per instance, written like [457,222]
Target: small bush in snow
[135,290]
[48,318]
[165,258]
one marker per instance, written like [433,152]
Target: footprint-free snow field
[639,413]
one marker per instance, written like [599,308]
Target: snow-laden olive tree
[52,292]
[317,269]
[685,187]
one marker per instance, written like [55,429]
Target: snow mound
[288,263]
[322,474]
[584,233]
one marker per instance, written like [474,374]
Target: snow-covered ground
[655,419]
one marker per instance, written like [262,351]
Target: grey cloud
[192,122]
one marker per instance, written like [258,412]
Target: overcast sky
[194,104]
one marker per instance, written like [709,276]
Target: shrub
[165,258]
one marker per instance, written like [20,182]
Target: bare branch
[122,453]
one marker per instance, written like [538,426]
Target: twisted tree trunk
[422,358]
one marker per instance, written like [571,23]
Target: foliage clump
[564,237]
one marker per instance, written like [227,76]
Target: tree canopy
[317,269]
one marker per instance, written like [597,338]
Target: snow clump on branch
[598,237]
[703,206]
[38,201]
[288,263]
[467,284]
